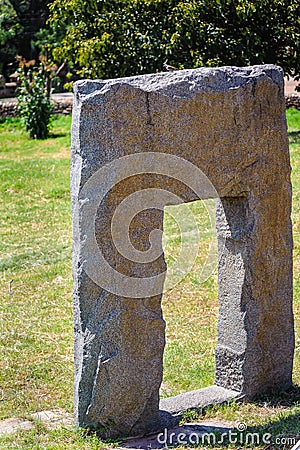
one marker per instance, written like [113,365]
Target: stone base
[172,409]
[196,400]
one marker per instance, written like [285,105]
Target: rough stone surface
[196,400]
[229,123]
[64,106]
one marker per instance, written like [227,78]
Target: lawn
[36,328]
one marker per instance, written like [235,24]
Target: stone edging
[61,107]
[293,101]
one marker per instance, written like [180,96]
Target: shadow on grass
[280,434]
[53,135]
[289,398]
[294,137]
[283,432]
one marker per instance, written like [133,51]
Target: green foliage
[111,38]
[8,25]
[10,31]
[237,32]
[34,104]
[32,16]
[23,32]
[46,39]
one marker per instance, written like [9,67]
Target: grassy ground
[36,327]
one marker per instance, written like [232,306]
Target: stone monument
[144,142]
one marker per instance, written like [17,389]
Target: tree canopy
[10,30]
[111,38]
[32,16]
[20,21]
[114,38]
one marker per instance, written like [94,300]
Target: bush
[34,104]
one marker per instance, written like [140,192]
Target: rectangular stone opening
[191,304]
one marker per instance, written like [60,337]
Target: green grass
[36,318]
[36,326]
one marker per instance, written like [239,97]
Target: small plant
[34,104]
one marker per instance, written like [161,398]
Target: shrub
[34,104]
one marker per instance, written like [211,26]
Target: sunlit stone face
[139,144]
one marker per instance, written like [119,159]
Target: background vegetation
[34,103]
[20,23]
[115,38]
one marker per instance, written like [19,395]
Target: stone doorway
[152,140]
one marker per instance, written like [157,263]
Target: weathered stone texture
[229,123]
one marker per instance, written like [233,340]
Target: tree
[20,22]
[235,32]
[109,38]
[10,30]
[32,16]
